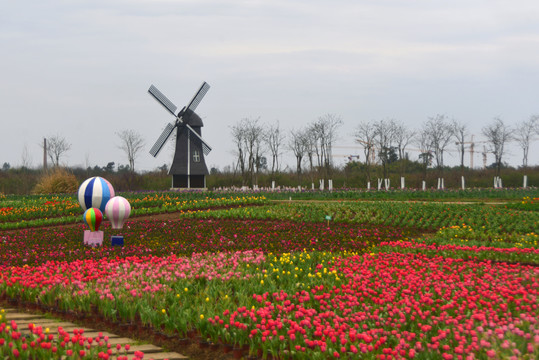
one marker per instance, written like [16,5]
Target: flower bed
[282,281]
[306,305]
[186,236]
[25,212]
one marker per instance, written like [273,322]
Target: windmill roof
[192,118]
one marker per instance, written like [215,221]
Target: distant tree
[132,143]
[57,146]
[460,131]
[6,166]
[109,167]
[238,135]
[364,135]
[524,133]
[497,134]
[311,147]
[423,141]
[298,145]
[388,155]
[440,132]
[253,142]
[123,168]
[96,169]
[262,162]
[323,135]
[163,168]
[247,136]
[384,138]
[274,137]
[26,159]
[403,137]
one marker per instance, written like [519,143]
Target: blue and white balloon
[95,192]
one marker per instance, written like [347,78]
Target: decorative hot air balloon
[118,210]
[93,217]
[95,192]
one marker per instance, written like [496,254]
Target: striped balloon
[95,192]
[117,211]
[93,217]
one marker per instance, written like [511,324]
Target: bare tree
[57,146]
[26,158]
[238,134]
[311,142]
[274,139]
[497,134]
[384,138]
[365,134]
[460,131]
[253,141]
[440,132]
[403,137]
[524,133]
[248,137]
[423,141]
[132,143]
[298,143]
[324,134]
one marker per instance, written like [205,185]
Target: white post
[525,182]
[330,185]
[387,183]
[321,184]
[368,185]
[273,185]
[439,183]
[379,184]
[500,185]
[463,184]
[424,185]
[299,188]
[495,182]
[312,186]
[402,182]
[443,186]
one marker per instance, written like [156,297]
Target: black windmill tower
[188,168]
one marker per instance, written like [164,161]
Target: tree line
[384,142]
[259,147]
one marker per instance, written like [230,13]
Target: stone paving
[150,351]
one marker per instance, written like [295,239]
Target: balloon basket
[93,238]
[116,240]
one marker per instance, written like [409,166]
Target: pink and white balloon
[118,210]
[95,192]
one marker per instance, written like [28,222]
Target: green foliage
[353,175]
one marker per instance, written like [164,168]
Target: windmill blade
[162,99]
[162,139]
[198,96]
[205,147]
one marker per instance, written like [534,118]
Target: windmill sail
[162,139]
[198,96]
[163,100]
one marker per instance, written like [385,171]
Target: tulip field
[276,276]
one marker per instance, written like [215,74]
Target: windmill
[188,167]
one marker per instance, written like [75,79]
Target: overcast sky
[81,69]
